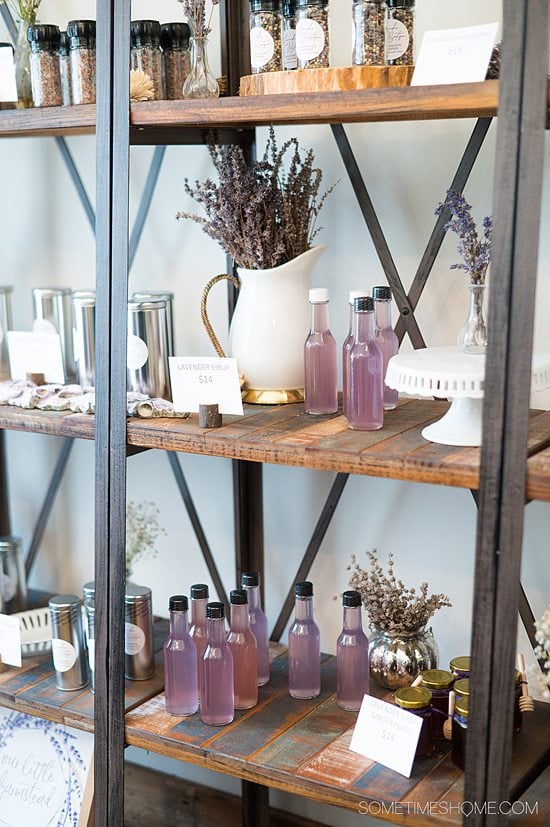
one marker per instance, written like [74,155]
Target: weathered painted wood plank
[336,765]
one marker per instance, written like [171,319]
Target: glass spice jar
[82,54]
[290,58]
[368,32]
[399,34]
[439,682]
[44,58]
[312,34]
[145,53]
[460,666]
[65,69]
[417,699]
[266,50]
[459,730]
[174,39]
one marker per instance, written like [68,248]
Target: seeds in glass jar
[177,65]
[399,36]
[368,42]
[46,79]
[83,75]
[312,37]
[149,60]
[265,42]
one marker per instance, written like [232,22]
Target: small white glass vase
[473,336]
[200,82]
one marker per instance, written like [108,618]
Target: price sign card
[455,55]
[10,640]
[8,90]
[35,353]
[387,734]
[198,380]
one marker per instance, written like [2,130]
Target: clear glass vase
[200,82]
[473,336]
[23,67]
[396,657]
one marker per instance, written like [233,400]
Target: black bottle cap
[396,3]
[250,578]
[289,8]
[382,293]
[265,5]
[351,599]
[363,303]
[43,36]
[304,588]
[238,597]
[178,603]
[174,36]
[81,33]
[199,591]
[215,611]
[301,3]
[63,43]
[145,33]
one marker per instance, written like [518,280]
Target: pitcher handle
[204,315]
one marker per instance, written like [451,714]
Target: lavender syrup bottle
[304,663]
[346,349]
[180,662]
[321,390]
[199,599]
[217,699]
[366,386]
[243,648]
[352,656]
[386,338]
[250,580]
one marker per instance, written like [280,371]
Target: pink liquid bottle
[250,580]
[366,386]
[321,390]
[217,699]
[199,599]
[180,662]
[346,349]
[243,648]
[304,662]
[352,656]
[386,338]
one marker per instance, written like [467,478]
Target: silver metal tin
[168,297]
[52,305]
[84,336]
[68,646]
[14,581]
[6,323]
[148,349]
[138,638]
[88,593]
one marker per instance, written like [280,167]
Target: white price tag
[455,55]
[205,380]
[8,89]
[387,734]
[35,353]
[10,640]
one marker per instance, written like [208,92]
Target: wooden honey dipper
[526,702]
[448,725]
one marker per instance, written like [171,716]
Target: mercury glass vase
[396,657]
[473,336]
[200,82]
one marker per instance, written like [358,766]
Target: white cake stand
[448,373]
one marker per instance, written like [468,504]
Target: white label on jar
[9,588]
[289,49]
[262,47]
[91,654]
[397,39]
[134,639]
[137,352]
[43,326]
[310,39]
[64,655]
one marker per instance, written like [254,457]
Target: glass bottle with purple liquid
[386,339]
[199,599]
[366,387]
[180,662]
[352,656]
[250,580]
[243,648]
[304,661]
[346,349]
[217,699]
[320,358]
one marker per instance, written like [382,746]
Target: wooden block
[209,416]
[333,79]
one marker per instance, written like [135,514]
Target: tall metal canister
[6,323]
[84,336]
[148,349]
[168,297]
[53,314]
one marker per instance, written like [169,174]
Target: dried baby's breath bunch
[542,652]
[262,213]
[141,86]
[390,604]
[142,530]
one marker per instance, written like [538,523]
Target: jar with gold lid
[460,666]
[462,687]
[439,682]
[417,699]
[459,729]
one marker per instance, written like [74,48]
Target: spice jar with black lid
[290,58]
[368,32]
[145,53]
[399,32]
[65,69]
[82,53]
[44,60]
[174,39]
[312,34]
[266,51]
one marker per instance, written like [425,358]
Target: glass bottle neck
[179,626]
[254,598]
[382,309]
[352,618]
[319,317]
[239,618]
[198,611]
[304,608]
[363,325]
[215,630]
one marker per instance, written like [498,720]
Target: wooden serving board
[337,79]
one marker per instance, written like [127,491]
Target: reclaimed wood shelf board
[334,79]
[301,746]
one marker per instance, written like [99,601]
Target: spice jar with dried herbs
[65,69]
[145,53]
[174,39]
[312,34]
[82,52]
[45,76]
[266,51]
[368,32]
[290,58]
[399,32]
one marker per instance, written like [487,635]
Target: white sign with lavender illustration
[44,771]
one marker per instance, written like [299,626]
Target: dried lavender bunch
[475,251]
[261,214]
[142,530]
[542,652]
[493,72]
[24,10]
[195,11]
[390,605]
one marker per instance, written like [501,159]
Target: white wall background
[46,240]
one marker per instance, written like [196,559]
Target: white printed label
[64,655]
[43,326]
[310,39]
[289,49]
[262,47]
[397,39]
[137,352]
[10,587]
[134,639]
[91,654]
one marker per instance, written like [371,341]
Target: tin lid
[51,292]
[462,687]
[8,288]
[43,37]
[9,545]
[88,589]
[136,594]
[153,295]
[437,679]
[304,588]
[86,298]
[148,305]
[145,33]
[462,706]
[238,597]
[199,591]
[63,601]
[351,599]
[382,293]
[363,304]
[215,611]
[174,36]
[178,603]
[413,697]
[460,664]
[318,295]
[250,578]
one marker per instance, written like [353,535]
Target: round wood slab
[326,80]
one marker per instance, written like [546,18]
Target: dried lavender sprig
[195,11]
[475,251]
